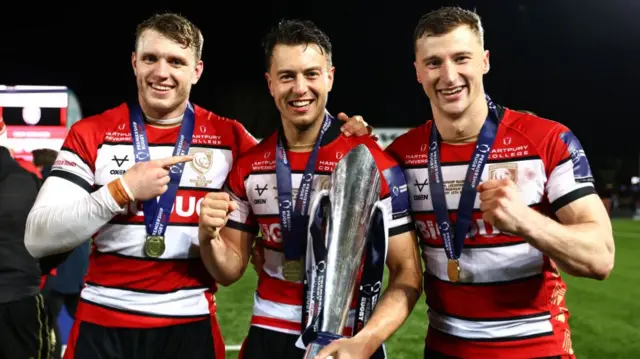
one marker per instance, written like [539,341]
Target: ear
[485,62]
[133,62]
[199,68]
[269,82]
[330,75]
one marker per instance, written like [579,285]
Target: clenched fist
[214,212]
[150,179]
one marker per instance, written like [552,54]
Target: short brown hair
[447,19]
[175,27]
[44,157]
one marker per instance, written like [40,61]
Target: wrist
[370,342]
[119,193]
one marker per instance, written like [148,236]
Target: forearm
[65,216]
[394,307]
[583,250]
[224,264]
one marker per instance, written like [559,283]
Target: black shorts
[25,330]
[196,340]
[263,343]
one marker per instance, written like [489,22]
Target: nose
[161,69]
[449,73]
[300,86]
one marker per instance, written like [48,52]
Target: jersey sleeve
[396,202]
[245,140]
[568,171]
[243,218]
[77,156]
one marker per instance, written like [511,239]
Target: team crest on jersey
[504,171]
[201,164]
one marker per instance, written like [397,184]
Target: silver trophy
[353,193]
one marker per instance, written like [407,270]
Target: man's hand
[355,125]
[214,212]
[346,348]
[502,207]
[150,179]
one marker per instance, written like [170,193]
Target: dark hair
[445,20]
[295,32]
[44,156]
[176,28]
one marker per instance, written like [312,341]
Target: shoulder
[537,129]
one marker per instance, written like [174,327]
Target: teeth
[300,103]
[160,87]
[452,91]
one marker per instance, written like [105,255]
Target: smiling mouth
[158,87]
[451,91]
[300,103]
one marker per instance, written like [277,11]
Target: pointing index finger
[170,161]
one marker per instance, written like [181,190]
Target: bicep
[402,252]
[587,209]
[59,191]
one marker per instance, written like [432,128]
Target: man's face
[300,80]
[165,72]
[450,68]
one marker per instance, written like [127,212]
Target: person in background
[43,159]
[25,328]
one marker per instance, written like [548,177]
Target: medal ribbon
[157,211]
[454,240]
[294,217]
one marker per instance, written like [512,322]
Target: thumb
[343,117]
[328,350]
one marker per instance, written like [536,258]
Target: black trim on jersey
[500,339]
[486,284]
[143,314]
[258,173]
[129,223]
[467,245]
[67,149]
[571,196]
[466,163]
[475,210]
[243,227]
[563,161]
[168,144]
[147,259]
[401,229]
[491,319]
[146,291]
[73,178]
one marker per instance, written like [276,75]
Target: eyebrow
[434,57]
[287,71]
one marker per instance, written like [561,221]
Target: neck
[162,117]
[464,128]
[302,138]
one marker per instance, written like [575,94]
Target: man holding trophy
[332,210]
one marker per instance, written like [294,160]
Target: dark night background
[573,61]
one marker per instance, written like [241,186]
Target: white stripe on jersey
[487,265]
[291,313]
[128,240]
[562,181]
[70,162]
[530,179]
[186,302]
[494,329]
[209,168]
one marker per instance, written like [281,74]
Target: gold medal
[292,270]
[154,246]
[453,270]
